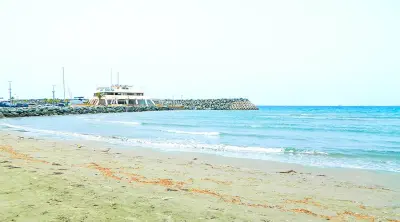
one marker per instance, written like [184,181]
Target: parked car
[6,104]
[21,105]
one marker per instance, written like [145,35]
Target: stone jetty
[208,104]
[161,105]
[52,111]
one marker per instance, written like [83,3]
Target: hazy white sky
[284,52]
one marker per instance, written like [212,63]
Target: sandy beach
[48,180]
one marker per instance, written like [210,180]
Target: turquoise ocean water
[350,137]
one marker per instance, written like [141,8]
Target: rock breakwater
[51,111]
[162,105]
[209,104]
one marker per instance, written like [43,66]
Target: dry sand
[45,180]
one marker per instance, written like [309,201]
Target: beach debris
[56,164]
[78,185]
[170,189]
[194,158]
[63,218]
[289,171]
[218,181]
[321,175]
[12,167]
[105,171]
[5,161]
[54,200]
[306,200]
[305,212]
[57,173]
[106,150]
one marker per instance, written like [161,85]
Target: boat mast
[63,82]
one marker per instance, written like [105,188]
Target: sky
[287,52]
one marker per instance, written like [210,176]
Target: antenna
[117,78]
[63,83]
[111,77]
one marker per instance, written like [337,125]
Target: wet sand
[47,180]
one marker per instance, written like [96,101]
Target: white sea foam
[115,122]
[252,152]
[91,119]
[54,132]
[125,122]
[193,132]
[313,153]
[182,145]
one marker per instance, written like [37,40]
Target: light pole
[53,95]
[9,89]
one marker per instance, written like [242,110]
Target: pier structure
[120,95]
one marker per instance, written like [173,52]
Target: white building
[120,94]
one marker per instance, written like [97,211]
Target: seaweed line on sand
[17,155]
[178,185]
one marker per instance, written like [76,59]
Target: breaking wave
[125,122]
[169,145]
[193,133]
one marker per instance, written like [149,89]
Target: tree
[99,95]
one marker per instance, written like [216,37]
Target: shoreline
[172,186]
[248,160]
[241,162]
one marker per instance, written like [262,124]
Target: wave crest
[193,132]
[125,122]
[181,146]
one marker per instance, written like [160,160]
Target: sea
[333,137]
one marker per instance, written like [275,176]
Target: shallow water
[352,137]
